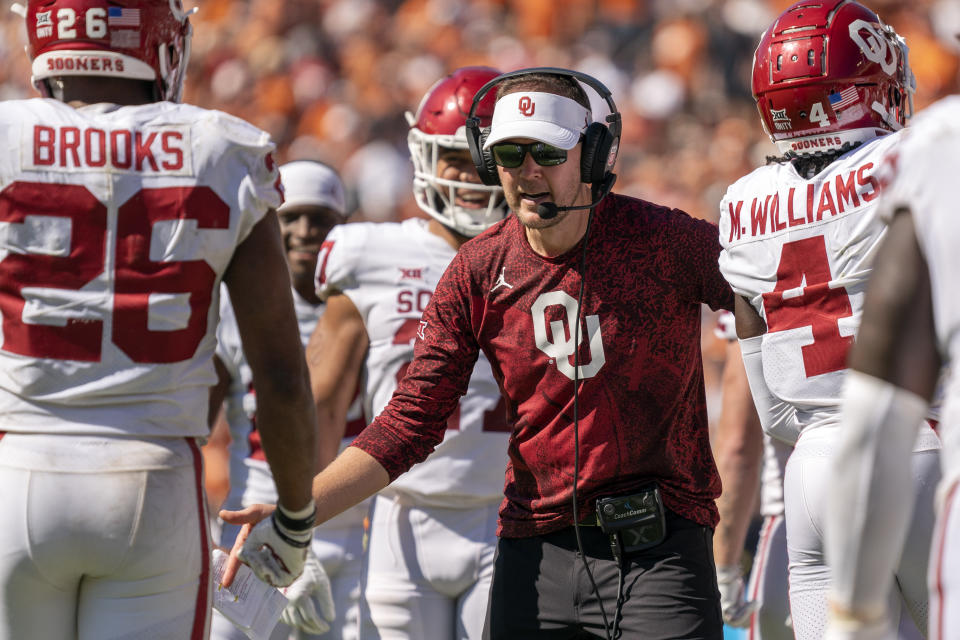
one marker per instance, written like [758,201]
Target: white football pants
[428,571]
[102,538]
[806,486]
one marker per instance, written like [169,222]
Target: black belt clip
[635,522]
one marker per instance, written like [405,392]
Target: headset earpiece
[482,158]
[490,175]
[594,153]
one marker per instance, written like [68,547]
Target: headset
[597,157]
[600,142]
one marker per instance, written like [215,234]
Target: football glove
[735,609]
[276,548]
[311,606]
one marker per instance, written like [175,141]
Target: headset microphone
[549,210]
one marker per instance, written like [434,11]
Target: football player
[748,460]
[909,328]
[432,534]
[122,211]
[314,202]
[833,86]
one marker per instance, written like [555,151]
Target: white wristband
[300,514]
[296,525]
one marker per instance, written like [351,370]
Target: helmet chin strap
[166,78]
[887,116]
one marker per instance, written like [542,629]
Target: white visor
[545,117]
[312,183]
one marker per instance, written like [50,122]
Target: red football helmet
[137,39]
[830,72]
[441,122]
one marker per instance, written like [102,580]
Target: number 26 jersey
[116,227]
[800,251]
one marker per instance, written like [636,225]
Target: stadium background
[331,80]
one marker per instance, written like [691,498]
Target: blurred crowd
[332,79]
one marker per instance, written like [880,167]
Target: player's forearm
[739,456]
[738,450]
[331,428]
[739,470]
[353,477]
[328,442]
[259,283]
[332,396]
[287,424]
[335,356]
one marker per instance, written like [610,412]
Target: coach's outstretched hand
[272,542]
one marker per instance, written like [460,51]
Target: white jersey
[116,226]
[389,272]
[927,157]
[801,251]
[251,481]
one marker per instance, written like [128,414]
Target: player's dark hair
[566,86]
[94,89]
[810,164]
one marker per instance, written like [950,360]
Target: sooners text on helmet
[69,63]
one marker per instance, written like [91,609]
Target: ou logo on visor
[559,344]
[527,106]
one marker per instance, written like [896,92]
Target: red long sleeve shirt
[641,403]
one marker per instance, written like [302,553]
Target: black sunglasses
[511,154]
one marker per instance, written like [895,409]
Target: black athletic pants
[541,590]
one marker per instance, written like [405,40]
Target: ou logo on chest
[559,345]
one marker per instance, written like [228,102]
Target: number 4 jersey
[801,251]
[389,272]
[116,226]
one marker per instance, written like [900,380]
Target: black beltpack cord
[621,576]
[576,430]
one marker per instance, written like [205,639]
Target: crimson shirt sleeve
[414,421]
[693,247]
